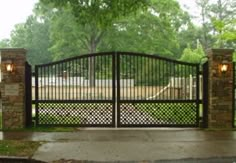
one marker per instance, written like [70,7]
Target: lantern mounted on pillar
[9,65]
[224,66]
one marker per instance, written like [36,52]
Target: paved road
[133,145]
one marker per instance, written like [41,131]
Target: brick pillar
[13,88]
[220,89]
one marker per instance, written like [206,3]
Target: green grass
[18,148]
[43,129]
[50,129]
[58,119]
[176,113]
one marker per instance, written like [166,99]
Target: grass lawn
[46,129]
[176,113]
[18,148]
[51,119]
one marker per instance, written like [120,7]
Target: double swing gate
[117,89]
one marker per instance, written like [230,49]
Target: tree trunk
[92,65]
[94,41]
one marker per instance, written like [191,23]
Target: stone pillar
[13,88]
[220,87]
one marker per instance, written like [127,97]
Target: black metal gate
[161,92]
[123,89]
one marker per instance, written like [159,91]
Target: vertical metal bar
[178,82]
[44,84]
[48,85]
[54,82]
[185,83]
[197,94]
[106,77]
[135,77]
[59,82]
[69,80]
[62,82]
[145,83]
[174,86]
[73,78]
[118,59]
[114,86]
[51,82]
[141,74]
[205,95]
[169,78]
[97,70]
[130,74]
[93,90]
[81,75]
[160,76]
[76,80]
[88,83]
[100,65]
[163,80]
[156,79]
[147,88]
[153,75]
[36,95]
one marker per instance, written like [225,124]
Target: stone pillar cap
[13,50]
[220,51]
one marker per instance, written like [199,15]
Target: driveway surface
[109,145]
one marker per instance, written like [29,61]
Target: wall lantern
[224,66]
[9,66]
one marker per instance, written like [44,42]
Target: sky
[13,12]
[16,11]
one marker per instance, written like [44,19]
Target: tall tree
[223,18]
[33,35]
[204,6]
[96,16]
[218,22]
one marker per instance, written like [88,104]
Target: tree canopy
[59,29]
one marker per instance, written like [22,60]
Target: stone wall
[13,88]
[220,99]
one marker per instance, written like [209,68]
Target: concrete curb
[14,159]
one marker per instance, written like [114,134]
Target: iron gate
[130,89]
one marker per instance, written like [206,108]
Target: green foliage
[5,43]
[193,55]
[101,13]
[218,20]
[33,36]
[66,36]
[234,57]
[151,31]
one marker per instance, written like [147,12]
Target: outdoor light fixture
[9,66]
[224,66]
